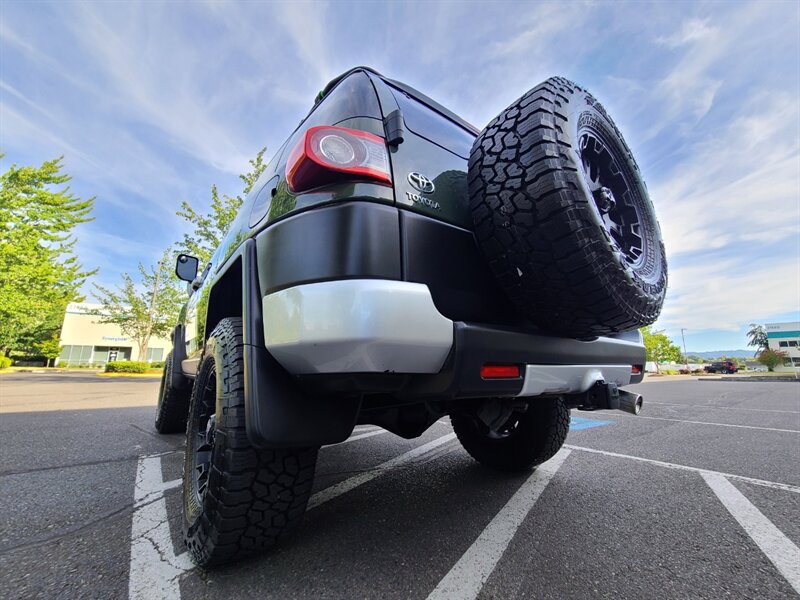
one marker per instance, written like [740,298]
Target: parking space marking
[469,574]
[360,436]
[767,410]
[361,428]
[154,568]
[775,546]
[711,423]
[762,482]
[578,423]
[340,488]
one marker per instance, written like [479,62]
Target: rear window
[352,97]
[434,127]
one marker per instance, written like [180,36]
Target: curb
[757,379]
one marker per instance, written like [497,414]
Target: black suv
[393,265]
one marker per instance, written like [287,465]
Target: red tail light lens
[636,370]
[500,371]
[328,154]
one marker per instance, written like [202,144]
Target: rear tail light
[500,371]
[328,154]
[636,370]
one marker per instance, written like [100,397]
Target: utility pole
[685,358]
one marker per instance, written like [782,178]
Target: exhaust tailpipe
[630,402]
[604,396]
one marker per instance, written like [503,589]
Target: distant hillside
[721,353]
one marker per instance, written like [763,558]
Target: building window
[154,354]
[75,356]
[792,344]
[783,344]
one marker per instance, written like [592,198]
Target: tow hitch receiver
[604,396]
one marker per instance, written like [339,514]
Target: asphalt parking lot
[699,497]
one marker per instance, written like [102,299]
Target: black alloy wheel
[617,204]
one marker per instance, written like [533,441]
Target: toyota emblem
[421,183]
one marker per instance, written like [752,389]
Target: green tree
[144,308]
[50,347]
[210,227]
[771,358]
[659,347]
[39,272]
[757,336]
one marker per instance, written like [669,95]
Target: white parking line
[469,574]
[766,410]
[360,428]
[762,482]
[776,546]
[360,436]
[708,423]
[154,568]
[342,487]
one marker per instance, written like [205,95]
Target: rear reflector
[500,371]
[327,154]
[636,370]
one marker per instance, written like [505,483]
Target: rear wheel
[525,440]
[237,499]
[173,402]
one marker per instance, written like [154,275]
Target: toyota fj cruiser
[393,265]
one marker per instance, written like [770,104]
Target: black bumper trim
[475,345]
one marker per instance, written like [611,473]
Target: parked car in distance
[723,366]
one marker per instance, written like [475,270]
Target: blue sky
[151,103]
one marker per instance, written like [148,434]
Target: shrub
[684,371]
[157,364]
[771,358]
[5,362]
[127,366]
[670,372]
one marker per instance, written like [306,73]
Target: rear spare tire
[563,216]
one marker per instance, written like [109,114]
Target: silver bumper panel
[571,379]
[356,326]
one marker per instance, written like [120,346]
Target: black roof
[417,95]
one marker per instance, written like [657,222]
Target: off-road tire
[252,497]
[172,409]
[536,436]
[548,238]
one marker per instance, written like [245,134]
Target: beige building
[85,341]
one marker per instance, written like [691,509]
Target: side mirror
[186,267]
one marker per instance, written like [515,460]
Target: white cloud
[728,294]
[692,31]
[740,185]
[157,82]
[306,24]
[537,28]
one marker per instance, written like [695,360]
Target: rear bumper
[328,330]
[356,326]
